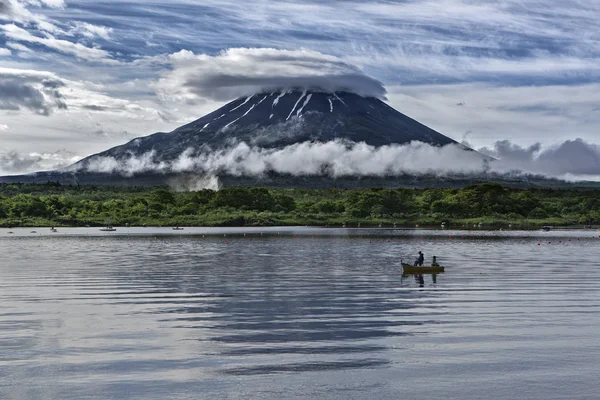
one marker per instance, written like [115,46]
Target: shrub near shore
[53,204]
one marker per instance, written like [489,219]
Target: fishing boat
[108,228]
[408,269]
[176,228]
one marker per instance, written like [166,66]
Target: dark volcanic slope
[283,118]
[268,120]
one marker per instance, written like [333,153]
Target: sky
[520,79]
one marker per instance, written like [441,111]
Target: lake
[297,313]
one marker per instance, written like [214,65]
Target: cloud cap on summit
[244,71]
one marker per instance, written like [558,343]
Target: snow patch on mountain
[296,104]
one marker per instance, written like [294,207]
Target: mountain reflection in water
[190,317]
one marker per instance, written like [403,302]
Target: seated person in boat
[434,262]
[419,261]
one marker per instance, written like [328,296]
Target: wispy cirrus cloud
[92,31]
[13,32]
[523,70]
[487,112]
[82,115]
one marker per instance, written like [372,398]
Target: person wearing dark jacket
[420,260]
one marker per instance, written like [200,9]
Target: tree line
[54,204]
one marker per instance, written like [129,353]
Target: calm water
[85,315]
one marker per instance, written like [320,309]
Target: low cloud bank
[570,160]
[12,162]
[240,72]
[336,159]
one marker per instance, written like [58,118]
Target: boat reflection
[420,279]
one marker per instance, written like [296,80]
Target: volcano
[279,119]
[270,120]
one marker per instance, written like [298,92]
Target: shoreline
[353,225]
[289,230]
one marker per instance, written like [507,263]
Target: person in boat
[420,260]
[434,262]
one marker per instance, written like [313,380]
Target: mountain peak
[282,118]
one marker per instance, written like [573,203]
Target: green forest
[52,204]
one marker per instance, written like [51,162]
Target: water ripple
[201,317]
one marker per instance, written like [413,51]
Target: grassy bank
[51,204]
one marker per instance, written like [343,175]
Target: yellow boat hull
[412,270]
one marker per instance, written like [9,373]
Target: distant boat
[108,229]
[53,229]
[176,228]
[546,228]
[408,269]
[33,232]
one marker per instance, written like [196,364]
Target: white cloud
[19,47]
[43,93]
[37,91]
[487,113]
[49,3]
[17,11]
[525,75]
[338,158]
[14,10]
[14,32]
[46,111]
[238,72]
[92,31]
[5,52]
[570,158]
[12,162]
